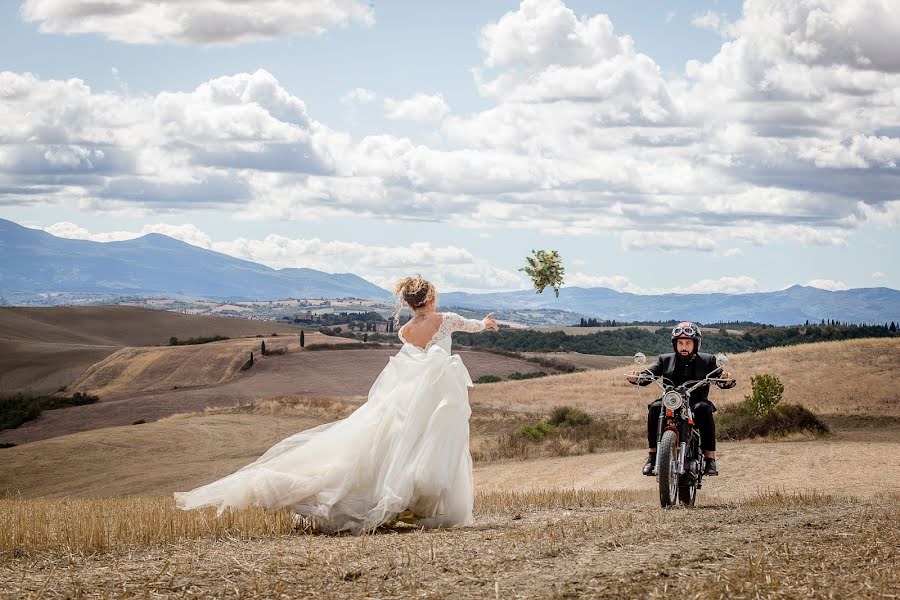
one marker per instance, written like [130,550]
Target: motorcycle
[680,463]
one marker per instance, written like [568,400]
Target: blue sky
[659,146]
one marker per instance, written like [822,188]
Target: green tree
[262,348]
[302,339]
[766,393]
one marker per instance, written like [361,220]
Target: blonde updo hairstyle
[415,292]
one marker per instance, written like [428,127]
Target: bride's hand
[490,323]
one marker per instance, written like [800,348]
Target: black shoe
[711,469]
[649,465]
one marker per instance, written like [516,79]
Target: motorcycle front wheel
[666,474]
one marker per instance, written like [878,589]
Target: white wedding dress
[403,453]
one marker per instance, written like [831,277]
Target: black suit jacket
[679,371]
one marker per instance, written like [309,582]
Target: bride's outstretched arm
[457,323]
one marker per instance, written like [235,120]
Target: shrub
[537,432]
[488,379]
[139,422]
[568,416]
[275,351]
[6,444]
[765,395]
[174,341]
[532,375]
[19,408]
[739,421]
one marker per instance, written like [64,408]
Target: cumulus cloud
[827,284]
[878,275]
[788,135]
[213,22]
[733,252]
[421,107]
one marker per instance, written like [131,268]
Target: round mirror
[639,358]
[721,359]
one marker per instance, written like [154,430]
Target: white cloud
[733,252]
[673,239]
[787,135]
[186,233]
[358,96]
[212,22]
[827,284]
[741,284]
[421,107]
[713,21]
[878,275]
[620,283]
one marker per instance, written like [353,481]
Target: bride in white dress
[403,454]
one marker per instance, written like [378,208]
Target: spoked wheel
[666,475]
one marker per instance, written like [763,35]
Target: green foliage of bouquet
[545,270]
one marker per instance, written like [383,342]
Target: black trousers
[703,417]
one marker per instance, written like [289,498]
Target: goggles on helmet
[688,330]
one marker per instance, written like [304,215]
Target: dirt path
[327,373]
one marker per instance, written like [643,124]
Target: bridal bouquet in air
[545,270]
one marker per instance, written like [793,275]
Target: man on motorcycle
[686,363]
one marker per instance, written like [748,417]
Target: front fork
[682,435]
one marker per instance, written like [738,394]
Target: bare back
[421,329]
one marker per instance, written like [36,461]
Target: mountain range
[791,306]
[36,262]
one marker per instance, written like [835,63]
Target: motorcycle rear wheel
[666,475]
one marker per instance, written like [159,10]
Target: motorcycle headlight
[673,400]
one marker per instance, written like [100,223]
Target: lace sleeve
[454,322]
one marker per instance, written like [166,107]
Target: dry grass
[557,544]
[137,370]
[855,377]
[42,349]
[312,407]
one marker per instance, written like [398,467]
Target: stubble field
[89,514]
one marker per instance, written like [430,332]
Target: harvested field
[133,390]
[525,545]
[587,361]
[854,377]
[43,349]
[156,459]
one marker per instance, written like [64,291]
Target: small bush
[6,444]
[739,421]
[533,375]
[139,422]
[765,395]
[488,379]
[537,432]
[568,416]
[275,351]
